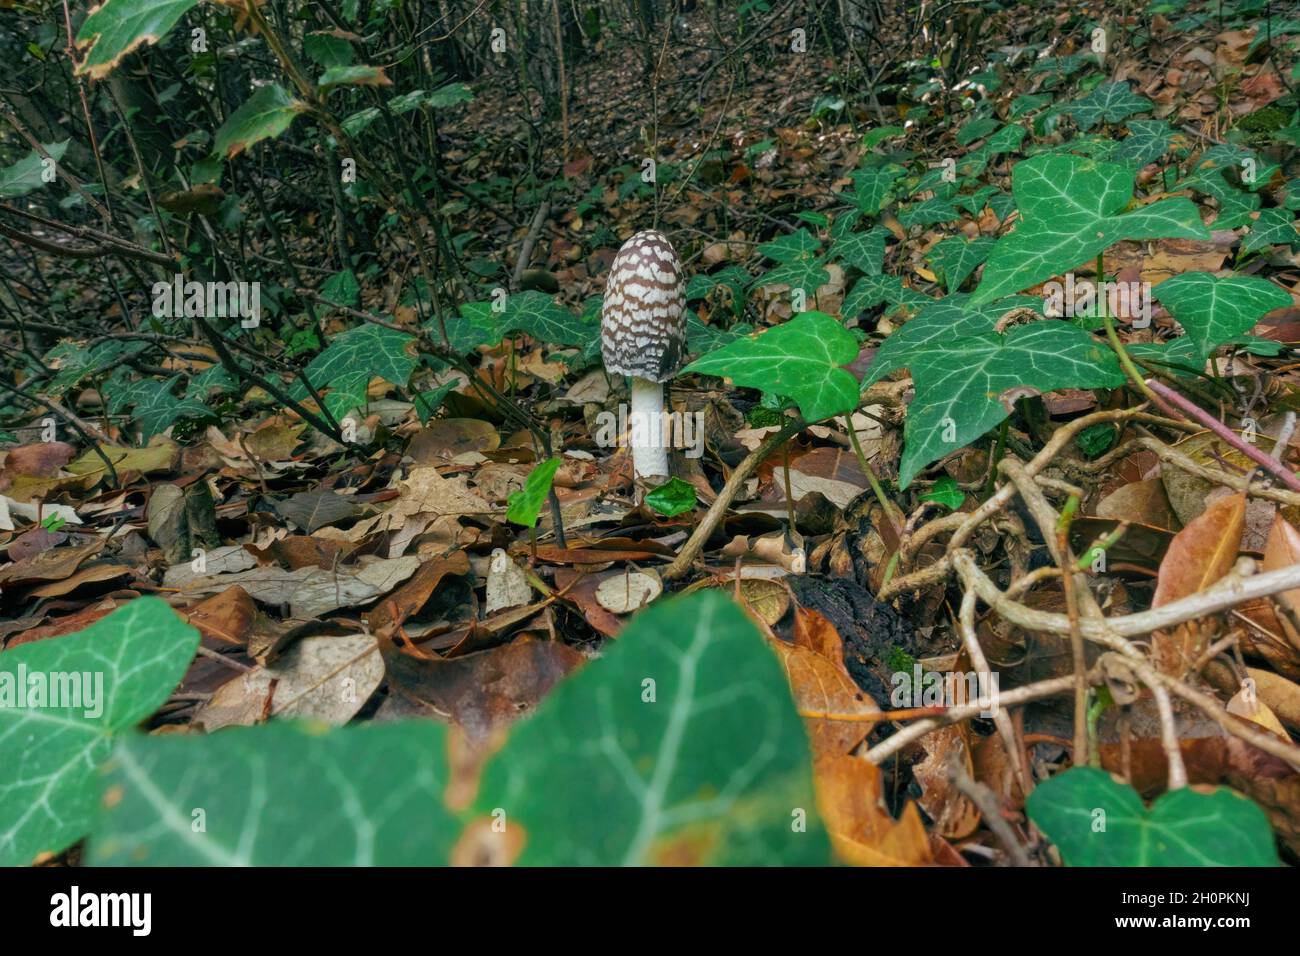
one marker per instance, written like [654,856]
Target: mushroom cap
[642,320]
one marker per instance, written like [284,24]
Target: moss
[899,661]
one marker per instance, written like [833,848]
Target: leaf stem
[892,511]
[1125,362]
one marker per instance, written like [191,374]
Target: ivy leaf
[733,278]
[537,314]
[117,27]
[701,338]
[873,188]
[875,137]
[523,506]
[1095,821]
[959,388]
[1005,140]
[1236,206]
[865,251]
[1213,311]
[354,76]
[280,794]
[870,291]
[1112,102]
[1274,227]
[930,212]
[1027,103]
[977,129]
[126,665]
[946,492]
[802,359]
[805,274]
[941,324]
[1072,209]
[672,498]
[264,115]
[428,403]
[352,359]
[27,175]
[974,202]
[955,258]
[453,94]
[154,407]
[791,247]
[684,737]
[343,288]
[1146,142]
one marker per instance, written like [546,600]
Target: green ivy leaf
[1027,103]
[865,251]
[955,258]
[1212,310]
[959,388]
[280,794]
[1146,142]
[870,291]
[1274,227]
[1095,440]
[1072,209]
[791,247]
[354,76]
[684,738]
[537,314]
[1005,140]
[802,359]
[672,498]
[930,212]
[453,94]
[154,407]
[264,115]
[1112,102]
[733,278]
[1095,821]
[352,359]
[26,175]
[977,129]
[1236,206]
[941,324]
[343,288]
[523,506]
[804,274]
[701,338]
[873,138]
[50,755]
[873,189]
[946,492]
[428,403]
[117,27]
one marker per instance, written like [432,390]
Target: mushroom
[643,335]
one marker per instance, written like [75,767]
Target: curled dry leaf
[1280,551]
[320,678]
[226,618]
[312,592]
[851,802]
[628,592]
[824,691]
[389,614]
[1248,704]
[766,598]
[1201,554]
[954,815]
[481,692]
[507,586]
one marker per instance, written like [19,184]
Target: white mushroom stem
[645,429]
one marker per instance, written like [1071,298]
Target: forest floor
[394,574]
